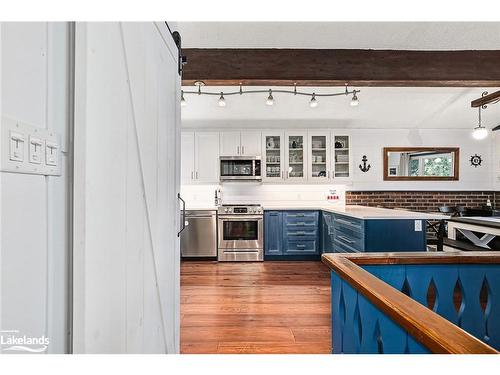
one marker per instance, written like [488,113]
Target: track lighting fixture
[222,101]
[270,99]
[480,132]
[313,103]
[183,101]
[354,100]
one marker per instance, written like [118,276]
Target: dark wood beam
[487,99]
[326,67]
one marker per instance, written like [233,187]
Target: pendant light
[270,99]
[222,101]
[480,132]
[183,101]
[354,100]
[313,103]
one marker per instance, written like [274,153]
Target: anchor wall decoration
[365,168]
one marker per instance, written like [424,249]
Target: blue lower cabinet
[327,232]
[295,234]
[291,234]
[395,235]
[273,233]
[352,235]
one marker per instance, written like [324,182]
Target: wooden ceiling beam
[326,67]
[487,99]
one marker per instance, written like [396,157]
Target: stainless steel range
[241,233]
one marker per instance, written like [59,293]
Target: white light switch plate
[418,225]
[27,158]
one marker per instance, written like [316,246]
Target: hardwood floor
[261,307]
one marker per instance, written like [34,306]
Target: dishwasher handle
[183,214]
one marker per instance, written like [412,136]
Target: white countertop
[360,212]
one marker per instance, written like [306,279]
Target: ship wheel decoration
[365,168]
[475,160]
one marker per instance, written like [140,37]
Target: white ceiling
[379,108]
[342,35]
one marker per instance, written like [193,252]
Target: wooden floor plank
[261,307]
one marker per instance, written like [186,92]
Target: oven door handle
[241,218]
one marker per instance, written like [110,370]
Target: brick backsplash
[422,200]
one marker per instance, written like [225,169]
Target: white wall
[202,196]
[34,235]
[127,135]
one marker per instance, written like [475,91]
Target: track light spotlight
[313,103]
[270,99]
[354,100]
[222,101]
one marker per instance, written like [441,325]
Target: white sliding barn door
[127,172]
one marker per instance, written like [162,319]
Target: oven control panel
[241,210]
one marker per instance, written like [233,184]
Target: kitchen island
[300,231]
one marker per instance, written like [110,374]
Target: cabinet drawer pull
[301,246]
[302,233]
[345,239]
[347,222]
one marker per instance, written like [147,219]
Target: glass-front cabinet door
[319,156]
[341,156]
[296,156]
[273,156]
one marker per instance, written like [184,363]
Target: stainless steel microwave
[240,168]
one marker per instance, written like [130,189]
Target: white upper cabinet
[296,156]
[230,143]
[319,156]
[273,156]
[251,143]
[288,156]
[207,157]
[199,157]
[235,143]
[341,156]
[187,158]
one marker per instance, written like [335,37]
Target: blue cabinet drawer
[300,218]
[351,232]
[348,222]
[299,234]
[300,247]
[341,247]
[348,240]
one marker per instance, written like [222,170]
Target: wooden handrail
[430,329]
[458,257]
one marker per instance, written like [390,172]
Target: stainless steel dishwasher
[199,239]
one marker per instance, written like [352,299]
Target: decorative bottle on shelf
[294,144]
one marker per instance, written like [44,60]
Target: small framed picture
[393,171]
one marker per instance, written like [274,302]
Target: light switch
[51,153]
[35,150]
[16,146]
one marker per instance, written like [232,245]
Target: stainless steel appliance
[240,168]
[240,233]
[199,238]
